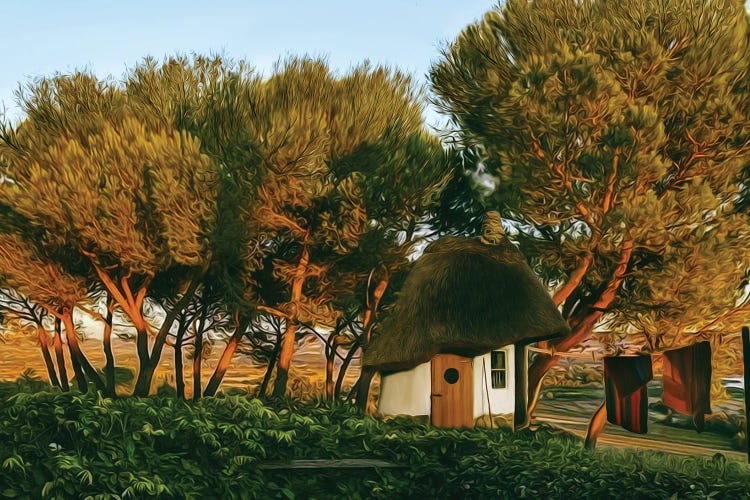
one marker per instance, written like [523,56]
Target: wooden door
[452,391]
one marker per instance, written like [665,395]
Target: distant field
[21,352]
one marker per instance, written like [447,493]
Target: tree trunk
[77,353]
[345,366]
[74,359]
[80,377]
[543,362]
[269,369]
[372,308]
[145,370]
[179,374]
[598,420]
[149,362]
[226,359]
[109,367]
[198,354]
[363,387]
[365,377]
[267,376]
[289,340]
[581,331]
[575,279]
[60,356]
[331,347]
[197,366]
[44,346]
[285,359]
[132,306]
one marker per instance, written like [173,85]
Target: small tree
[21,309]
[47,284]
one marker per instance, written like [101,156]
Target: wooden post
[521,369]
[596,424]
[746,384]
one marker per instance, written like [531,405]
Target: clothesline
[548,352]
[593,355]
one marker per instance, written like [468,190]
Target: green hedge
[72,445]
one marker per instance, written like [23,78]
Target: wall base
[504,420]
[422,419]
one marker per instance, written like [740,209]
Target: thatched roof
[463,295]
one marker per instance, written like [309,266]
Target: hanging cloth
[626,399]
[687,381]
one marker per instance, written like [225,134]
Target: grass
[71,445]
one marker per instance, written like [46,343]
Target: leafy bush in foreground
[61,445]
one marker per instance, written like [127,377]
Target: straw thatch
[467,297]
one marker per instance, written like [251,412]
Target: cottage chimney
[492,228]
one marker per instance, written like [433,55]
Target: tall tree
[215,100]
[615,133]
[346,158]
[103,178]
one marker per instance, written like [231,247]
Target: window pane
[498,379]
[498,360]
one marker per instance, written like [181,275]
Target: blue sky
[43,37]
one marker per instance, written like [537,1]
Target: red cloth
[687,381]
[625,380]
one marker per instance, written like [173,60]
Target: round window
[451,375]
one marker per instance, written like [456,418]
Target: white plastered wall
[486,399]
[406,392]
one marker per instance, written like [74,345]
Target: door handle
[437,395]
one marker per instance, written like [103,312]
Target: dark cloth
[687,381]
[625,379]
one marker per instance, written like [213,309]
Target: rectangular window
[498,369]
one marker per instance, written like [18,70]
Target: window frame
[503,370]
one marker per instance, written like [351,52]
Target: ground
[571,408]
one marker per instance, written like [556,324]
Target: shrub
[63,445]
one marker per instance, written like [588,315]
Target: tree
[21,309]
[107,180]
[348,164]
[43,282]
[615,133]
[216,101]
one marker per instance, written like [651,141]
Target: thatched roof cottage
[453,347]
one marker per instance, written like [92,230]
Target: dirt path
[615,437]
